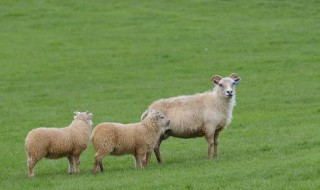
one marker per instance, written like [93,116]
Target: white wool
[202,114]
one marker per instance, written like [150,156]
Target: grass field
[114,58]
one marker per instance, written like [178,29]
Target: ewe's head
[226,85]
[157,117]
[84,116]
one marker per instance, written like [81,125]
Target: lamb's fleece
[137,139]
[55,143]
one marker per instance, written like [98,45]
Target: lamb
[137,139]
[54,143]
[204,114]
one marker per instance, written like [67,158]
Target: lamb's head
[226,85]
[157,117]
[84,116]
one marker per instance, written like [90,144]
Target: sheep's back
[121,138]
[50,142]
[187,114]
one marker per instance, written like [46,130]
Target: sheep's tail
[144,114]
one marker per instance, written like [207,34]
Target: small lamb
[55,143]
[137,139]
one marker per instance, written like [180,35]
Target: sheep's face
[227,84]
[161,119]
[85,116]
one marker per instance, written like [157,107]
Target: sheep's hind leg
[70,159]
[102,169]
[31,164]
[98,163]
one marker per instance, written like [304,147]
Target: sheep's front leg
[157,148]
[216,142]
[210,143]
[70,159]
[138,161]
[77,161]
[148,158]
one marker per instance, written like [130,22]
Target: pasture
[114,58]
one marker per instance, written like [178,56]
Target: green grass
[114,58]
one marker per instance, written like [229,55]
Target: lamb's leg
[77,161]
[216,142]
[138,159]
[101,166]
[31,164]
[70,159]
[98,163]
[148,158]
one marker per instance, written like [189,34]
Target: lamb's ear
[144,114]
[216,79]
[235,77]
[76,113]
[90,115]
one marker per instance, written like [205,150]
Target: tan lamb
[137,139]
[204,114]
[54,143]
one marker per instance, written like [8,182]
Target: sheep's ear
[235,77]
[144,114]
[90,115]
[76,113]
[216,79]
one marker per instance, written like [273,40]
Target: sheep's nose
[229,91]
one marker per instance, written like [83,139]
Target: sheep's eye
[234,83]
[220,85]
[161,117]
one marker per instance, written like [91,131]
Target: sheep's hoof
[95,172]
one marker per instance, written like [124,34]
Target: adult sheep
[137,139]
[205,114]
[55,143]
